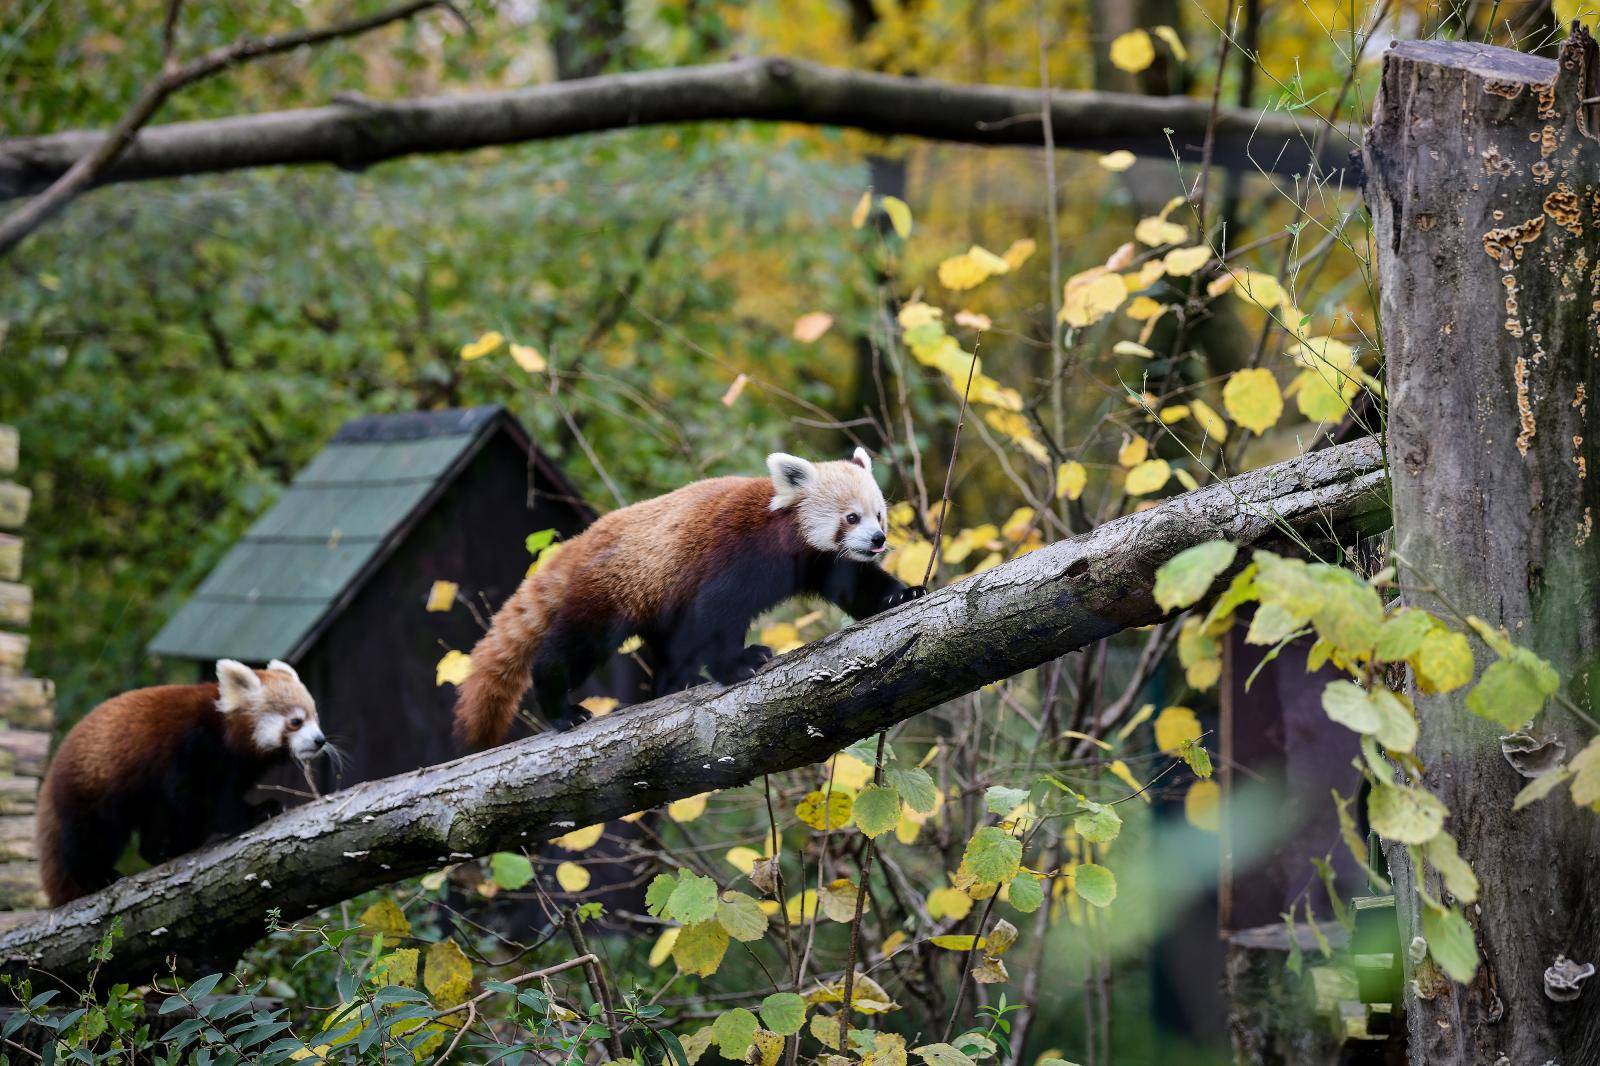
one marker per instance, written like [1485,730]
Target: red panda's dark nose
[877,540]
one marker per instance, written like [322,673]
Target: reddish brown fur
[633,565]
[125,750]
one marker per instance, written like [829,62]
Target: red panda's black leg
[564,661]
[862,590]
[90,847]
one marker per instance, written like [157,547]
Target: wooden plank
[13,653]
[24,752]
[16,604]
[8,449]
[27,702]
[17,838]
[10,557]
[19,886]
[18,795]
[14,500]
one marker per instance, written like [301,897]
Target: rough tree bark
[804,706]
[361,132]
[1481,168]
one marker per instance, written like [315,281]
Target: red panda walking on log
[687,572]
[174,763]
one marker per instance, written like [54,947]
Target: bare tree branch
[89,167]
[205,907]
[362,132]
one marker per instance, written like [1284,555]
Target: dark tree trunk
[1481,166]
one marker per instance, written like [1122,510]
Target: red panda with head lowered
[172,763]
[687,573]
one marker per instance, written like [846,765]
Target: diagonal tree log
[207,906]
[361,132]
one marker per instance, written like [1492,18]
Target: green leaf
[784,1013]
[734,1031]
[1027,892]
[941,1055]
[877,810]
[658,895]
[1346,703]
[1094,884]
[1513,690]
[1405,815]
[538,542]
[1197,758]
[700,947]
[1271,624]
[1003,800]
[741,916]
[693,900]
[1397,722]
[1450,942]
[916,788]
[510,870]
[1459,879]
[993,855]
[1402,634]
[1187,576]
[1240,591]
[1098,823]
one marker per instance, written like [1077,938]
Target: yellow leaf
[1123,257]
[1019,252]
[858,217]
[1071,479]
[810,810]
[662,951]
[447,975]
[899,215]
[1156,230]
[1322,397]
[1020,431]
[1018,525]
[442,595]
[454,668]
[528,358]
[1175,727]
[850,772]
[1149,476]
[1253,399]
[1120,771]
[1133,51]
[687,810]
[1185,479]
[893,943]
[801,907]
[580,839]
[1174,42]
[1208,420]
[1118,161]
[961,272]
[916,313]
[956,942]
[1181,262]
[599,706]
[1201,805]
[742,859]
[386,917]
[1134,451]
[482,346]
[949,903]
[781,637]
[808,328]
[735,390]
[909,827]
[1090,296]
[973,320]
[700,948]
[910,562]
[1173,413]
[572,877]
[1142,308]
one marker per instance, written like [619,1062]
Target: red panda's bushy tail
[59,887]
[488,698]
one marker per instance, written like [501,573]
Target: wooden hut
[335,577]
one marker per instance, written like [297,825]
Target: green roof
[332,528]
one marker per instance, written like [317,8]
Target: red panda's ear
[861,458]
[791,477]
[279,666]
[238,685]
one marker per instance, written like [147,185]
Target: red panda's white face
[279,712]
[837,505]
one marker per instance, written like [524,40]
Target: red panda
[687,572]
[174,763]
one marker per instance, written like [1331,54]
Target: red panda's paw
[574,717]
[741,667]
[905,595]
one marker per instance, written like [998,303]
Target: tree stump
[1481,169]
